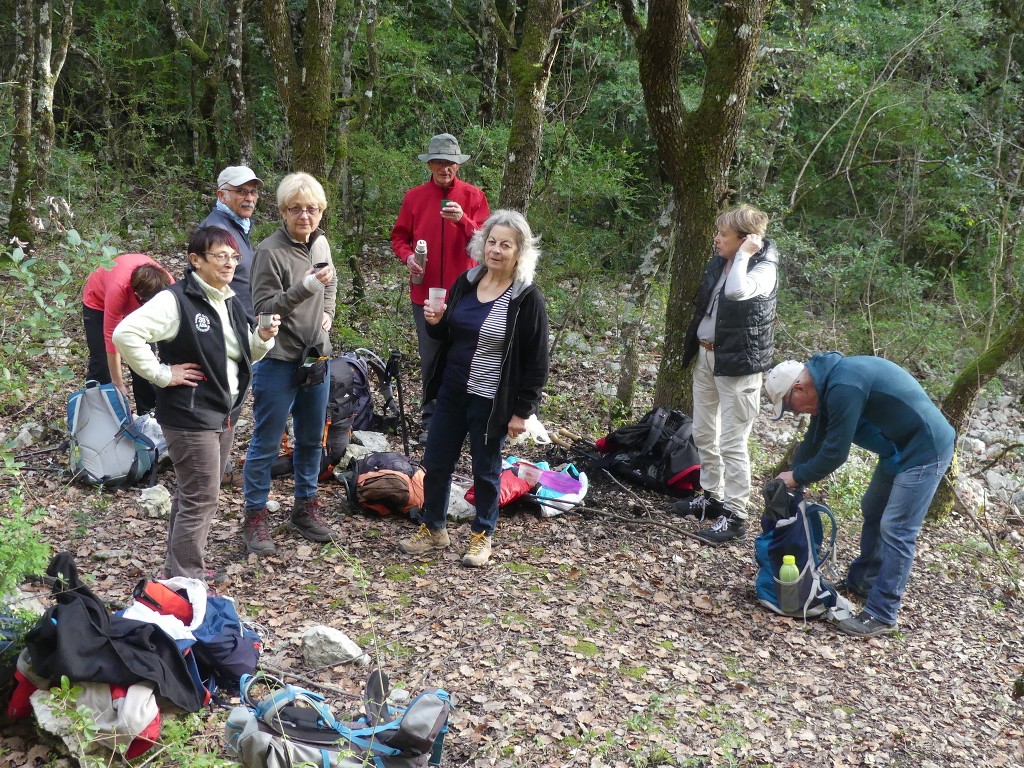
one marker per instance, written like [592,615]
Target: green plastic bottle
[789,585]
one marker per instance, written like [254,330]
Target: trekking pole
[394,371]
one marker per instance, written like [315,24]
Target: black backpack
[350,404]
[657,452]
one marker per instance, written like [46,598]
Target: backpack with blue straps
[106,448]
[294,726]
[792,526]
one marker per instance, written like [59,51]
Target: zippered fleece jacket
[525,364]
[240,282]
[419,218]
[873,403]
[279,286]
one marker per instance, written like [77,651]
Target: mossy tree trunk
[22,154]
[302,67]
[241,122]
[695,147]
[960,399]
[51,53]
[653,261]
[530,71]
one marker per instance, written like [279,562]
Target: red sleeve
[473,219]
[401,233]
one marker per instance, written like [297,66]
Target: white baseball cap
[237,175]
[778,383]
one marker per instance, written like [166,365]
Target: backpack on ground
[106,448]
[295,726]
[792,526]
[350,404]
[386,482]
[657,452]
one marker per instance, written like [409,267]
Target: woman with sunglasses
[292,276]
[206,350]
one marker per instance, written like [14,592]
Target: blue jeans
[894,509]
[456,415]
[274,396]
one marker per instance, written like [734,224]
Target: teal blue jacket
[873,403]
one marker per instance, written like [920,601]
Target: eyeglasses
[244,192]
[311,210]
[787,401]
[223,258]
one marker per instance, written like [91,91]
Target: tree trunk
[50,57]
[694,148]
[653,260]
[960,399]
[19,222]
[304,87]
[487,63]
[241,122]
[530,64]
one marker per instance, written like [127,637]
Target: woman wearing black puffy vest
[732,340]
[206,351]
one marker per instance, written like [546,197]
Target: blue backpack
[792,526]
[106,449]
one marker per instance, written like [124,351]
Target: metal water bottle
[420,255]
[789,585]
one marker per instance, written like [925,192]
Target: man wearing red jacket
[445,212]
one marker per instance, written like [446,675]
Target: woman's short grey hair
[300,185]
[527,250]
[744,220]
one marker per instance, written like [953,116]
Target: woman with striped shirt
[487,378]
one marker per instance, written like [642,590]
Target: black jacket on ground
[524,367]
[78,637]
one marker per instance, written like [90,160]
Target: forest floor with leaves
[606,637]
[609,636]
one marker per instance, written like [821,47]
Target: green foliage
[52,287]
[22,552]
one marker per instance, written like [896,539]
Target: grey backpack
[294,726]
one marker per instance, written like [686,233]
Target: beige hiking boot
[479,551]
[424,540]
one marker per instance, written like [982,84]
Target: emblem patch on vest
[202,323]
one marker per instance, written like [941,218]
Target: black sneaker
[703,507]
[725,528]
[865,625]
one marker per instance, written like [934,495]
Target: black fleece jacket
[525,364]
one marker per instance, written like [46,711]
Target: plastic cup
[436,297]
[266,319]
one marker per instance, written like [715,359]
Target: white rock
[605,389]
[459,510]
[972,445]
[328,647]
[995,481]
[156,501]
[374,441]
[273,506]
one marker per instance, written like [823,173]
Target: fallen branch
[963,507]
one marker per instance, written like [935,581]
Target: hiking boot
[479,551]
[844,586]
[865,625]
[256,533]
[306,520]
[699,508]
[424,540]
[725,528]
[231,479]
